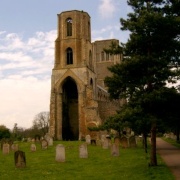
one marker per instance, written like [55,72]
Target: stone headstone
[117,141]
[14,147]
[83,152]
[114,149]
[20,159]
[132,141]
[5,148]
[88,139]
[50,142]
[124,142]
[44,144]
[60,153]
[109,141]
[105,144]
[33,147]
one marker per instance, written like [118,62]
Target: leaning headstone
[60,153]
[14,147]
[88,139]
[114,149]
[20,159]
[124,142]
[5,148]
[83,152]
[33,147]
[44,144]
[132,141]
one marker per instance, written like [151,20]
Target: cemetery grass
[132,164]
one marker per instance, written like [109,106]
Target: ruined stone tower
[75,94]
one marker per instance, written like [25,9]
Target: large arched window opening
[69,56]
[70,120]
[69,26]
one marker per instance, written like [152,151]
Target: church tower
[73,81]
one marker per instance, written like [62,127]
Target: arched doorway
[70,122]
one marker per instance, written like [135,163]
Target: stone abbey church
[79,97]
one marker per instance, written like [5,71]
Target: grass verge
[132,164]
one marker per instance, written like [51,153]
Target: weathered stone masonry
[79,98]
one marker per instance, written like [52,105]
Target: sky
[28,30]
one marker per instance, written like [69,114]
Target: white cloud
[25,71]
[107,8]
[23,98]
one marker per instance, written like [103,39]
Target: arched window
[69,56]
[69,26]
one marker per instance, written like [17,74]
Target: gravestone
[50,141]
[117,141]
[83,152]
[60,153]
[5,148]
[88,139]
[132,141]
[20,159]
[114,149]
[124,142]
[109,141]
[44,144]
[14,147]
[33,147]
[105,144]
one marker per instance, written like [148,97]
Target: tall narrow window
[90,59]
[69,26]
[102,56]
[69,56]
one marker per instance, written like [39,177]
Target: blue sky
[27,34]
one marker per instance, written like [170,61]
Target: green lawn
[132,164]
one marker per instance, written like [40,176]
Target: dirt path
[171,156]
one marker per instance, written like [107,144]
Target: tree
[144,71]
[4,132]
[41,122]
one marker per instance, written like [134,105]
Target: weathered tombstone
[105,144]
[114,149]
[124,142]
[50,141]
[83,152]
[117,141]
[98,142]
[14,147]
[109,141]
[20,159]
[60,153]
[5,148]
[33,147]
[44,144]
[132,141]
[88,139]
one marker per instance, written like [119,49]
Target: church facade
[79,97]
